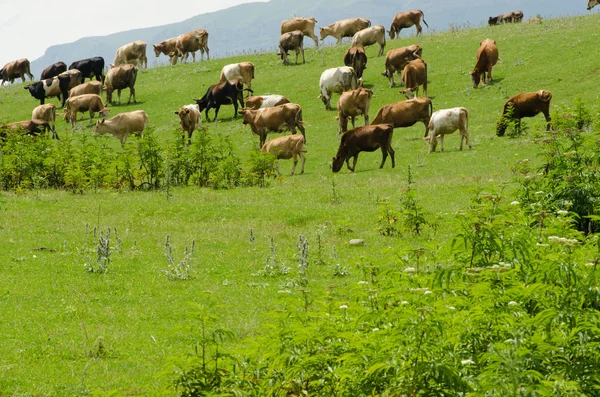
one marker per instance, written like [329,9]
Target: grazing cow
[166,47]
[133,54]
[406,19]
[223,93]
[364,139]
[344,28]
[243,71]
[592,4]
[190,43]
[414,75]
[280,118]
[397,59]
[84,103]
[536,19]
[29,127]
[406,113]
[88,67]
[305,25]
[53,70]
[118,78]
[528,104]
[291,41]
[91,87]
[352,104]
[445,122]
[337,80]
[14,69]
[122,125]
[509,17]
[47,113]
[48,88]
[357,59]
[370,36]
[287,147]
[487,56]
[265,101]
[189,118]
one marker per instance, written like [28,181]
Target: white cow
[337,80]
[243,71]
[446,121]
[265,101]
[592,4]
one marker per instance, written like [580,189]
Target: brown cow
[357,59]
[265,101]
[414,75]
[370,36]
[14,69]
[53,70]
[29,127]
[487,56]
[291,41]
[352,104]
[406,19]
[243,71]
[166,47]
[286,147]
[118,78]
[47,113]
[305,25]
[189,118]
[122,125]
[280,118]
[536,19]
[190,43]
[344,28]
[528,104]
[397,59]
[133,54]
[91,87]
[592,4]
[84,103]
[406,113]
[364,139]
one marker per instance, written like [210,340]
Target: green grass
[53,311]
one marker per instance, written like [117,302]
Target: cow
[30,127]
[189,118]
[122,125]
[414,75]
[280,118]
[592,4]
[49,88]
[406,113]
[166,47]
[243,71]
[90,67]
[445,122]
[118,78]
[265,101]
[527,104]
[84,103]
[487,56]
[370,36]
[406,19]
[536,19]
[352,104]
[344,28]
[70,78]
[223,93]
[337,80]
[286,147]
[190,43]
[509,17]
[91,87]
[291,41]
[53,70]
[47,113]
[397,59]
[364,139]
[14,69]
[357,59]
[517,16]
[133,53]
[305,25]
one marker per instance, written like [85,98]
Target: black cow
[53,70]
[223,93]
[88,67]
[57,86]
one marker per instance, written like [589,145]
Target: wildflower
[568,203]
[343,307]
[542,245]
[468,361]
[512,303]
[363,282]
[563,241]
[539,192]
[590,264]
[562,212]
[404,303]
[410,270]
[284,291]
[450,308]
[515,203]
[375,329]
[428,292]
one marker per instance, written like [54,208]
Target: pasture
[66,331]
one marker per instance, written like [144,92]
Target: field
[67,331]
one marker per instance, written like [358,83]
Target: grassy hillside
[67,331]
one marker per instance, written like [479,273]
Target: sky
[27,31]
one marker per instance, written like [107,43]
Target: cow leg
[303,60]
[131,92]
[190,132]
[315,39]
[384,154]
[302,130]
[303,161]
[119,95]
[354,163]
[366,118]
[392,154]
[91,117]
[295,163]
[381,48]
[206,113]
[419,30]
[194,56]
[442,142]
[217,107]
[518,125]
[432,143]
[426,122]
[548,120]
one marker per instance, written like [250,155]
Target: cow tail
[299,117]
[252,70]
[430,108]
[423,15]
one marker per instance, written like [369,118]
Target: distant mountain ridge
[255,26]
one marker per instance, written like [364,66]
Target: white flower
[468,361]
[428,292]
[590,264]
[35,256]
[562,212]
[284,291]
[343,307]
[375,329]
[563,241]
[539,192]
[363,282]
[410,270]
[512,303]
[568,203]
[404,303]
[542,245]
[515,203]
[450,308]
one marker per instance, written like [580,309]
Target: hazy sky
[27,29]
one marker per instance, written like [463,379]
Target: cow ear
[177,112]
[103,120]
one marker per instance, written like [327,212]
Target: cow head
[247,115]
[323,33]
[409,93]
[392,33]
[592,4]
[99,130]
[476,77]
[337,163]
[544,95]
[157,49]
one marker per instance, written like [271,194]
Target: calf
[243,71]
[91,87]
[414,75]
[287,147]
[336,80]
[528,104]
[90,67]
[190,43]
[291,41]
[84,103]
[406,20]
[370,36]
[189,118]
[118,78]
[445,122]
[166,47]
[352,104]
[265,101]
[53,70]
[122,125]
[344,28]
[356,58]
[224,93]
[14,69]
[487,56]
[406,113]
[364,139]
[280,118]
[397,59]
[536,19]
[29,127]
[305,25]
[47,113]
